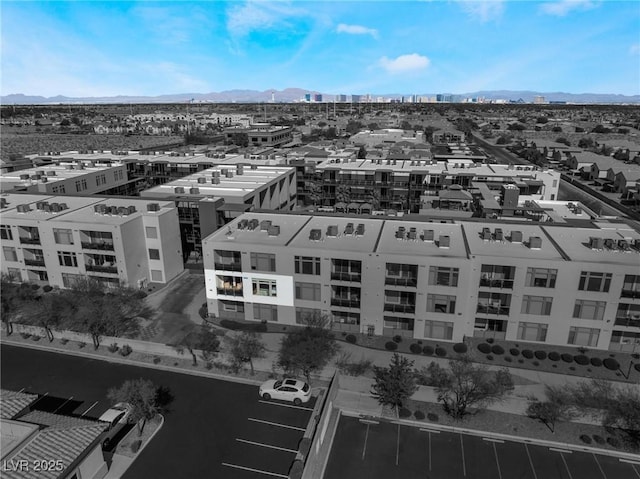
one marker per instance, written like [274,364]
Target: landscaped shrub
[390,346]
[236,326]
[404,412]
[527,353]
[484,348]
[419,415]
[553,356]
[415,348]
[613,442]
[598,439]
[63,341]
[113,347]
[47,288]
[135,445]
[536,363]
[554,365]
[441,352]
[125,350]
[35,287]
[581,359]
[566,357]
[81,344]
[489,340]
[351,338]
[497,349]
[521,361]
[541,355]
[572,368]
[25,335]
[597,362]
[637,367]
[35,337]
[433,417]
[508,359]
[514,352]
[156,360]
[586,439]
[460,348]
[611,364]
[204,311]
[304,445]
[296,469]
[489,357]
[428,350]
[397,338]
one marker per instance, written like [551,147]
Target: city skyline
[156,48]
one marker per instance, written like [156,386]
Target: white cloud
[483,10]
[404,63]
[634,49]
[564,7]
[356,30]
[260,15]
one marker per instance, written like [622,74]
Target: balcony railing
[229,291]
[101,268]
[101,245]
[34,262]
[493,309]
[630,293]
[345,302]
[353,277]
[228,266]
[497,283]
[396,281]
[29,240]
[400,308]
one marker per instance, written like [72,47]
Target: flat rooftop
[428,240]
[231,233]
[50,173]
[334,233]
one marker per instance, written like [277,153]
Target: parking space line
[90,408]
[565,451]
[398,446]
[566,465]
[266,445]
[251,469]
[599,466]
[533,469]
[368,421]
[276,424]
[495,452]
[41,397]
[21,390]
[464,466]
[292,406]
[366,436]
[635,470]
[59,407]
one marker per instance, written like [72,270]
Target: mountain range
[289,95]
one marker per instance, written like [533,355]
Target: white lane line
[59,407]
[398,446]
[266,445]
[259,471]
[90,408]
[599,466]
[565,451]
[495,452]
[566,466]
[292,406]
[533,469]
[366,436]
[464,466]
[635,470]
[488,439]
[277,424]
[429,451]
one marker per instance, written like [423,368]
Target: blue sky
[103,48]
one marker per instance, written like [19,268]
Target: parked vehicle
[117,416]
[287,390]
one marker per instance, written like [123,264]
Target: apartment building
[562,285]
[263,134]
[56,239]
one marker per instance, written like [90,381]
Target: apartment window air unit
[516,236]
[596,243]
[535,242]
[315,235]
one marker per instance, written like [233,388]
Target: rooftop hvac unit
[123,211]
[427,235]
[153,207]
[44,179]
[40,205]
[178,189]
[636,243]
[444,241]
[516,236]
[315,235]
[229,174]
[23,208]
[254,167]
[40,172]
[239,170]
[224,171]
[332,231]
[535,242]
[51,173]
[194,191]
[24,177]
[55,207]
[499,234]
[360,229]
[486,234]
[131,209]
[97,208]
[609,243]
[264,225]
[400,233]
[412,234]
[274,230]
[215,180]
[623,245]
[47,208]
[596,243]
[215,173]
[3,202]
[36,177]
[68,167]
[242,224]
[202,179]
[348,229]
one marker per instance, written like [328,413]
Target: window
[585,309]
[9,253]
[265,312]
[495,325]
[532,331]
[14,274]
[227,260]
[394,322]
[308,291]
[497,276]
[303,315]
[631,286]
[69,280]
[440,276]
[401,274]
[156,275]
[5,232]
[232,306]
[540,305]
[62,189]
[591,281]
[154,253]
[493,303]
[67,258]
[264,287]
[344,317]
[151,232]
[441,303]
[438,330]
[307,265]
[346,270]
[541,277]
[263,261]
[583,336]
[84,184]
[78,188]
[62,236]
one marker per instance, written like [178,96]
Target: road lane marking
[292,406]
[599,466]
[533,469]
[276,424]
[366,436]
[398,446]
[429,451]
[464,466]
[251,469]
[635,470]
[90,408]
[59,407]
[266,445]
[495,452]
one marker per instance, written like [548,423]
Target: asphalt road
[202,427]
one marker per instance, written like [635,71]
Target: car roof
[293,382]
[110,414]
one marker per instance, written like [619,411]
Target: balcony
[228,266]
[630,293]
[396,281]
[29,240]
[101,268]
[229,291]
[99,245]
[34,262]
[400,308]
[497,283]
[345,302]
[352,277]
[628,320]
[493,309]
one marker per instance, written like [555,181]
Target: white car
[287,390]
[117,416]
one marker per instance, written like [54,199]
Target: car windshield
[277,384]
[305,388]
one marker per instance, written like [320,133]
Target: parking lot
[377,449]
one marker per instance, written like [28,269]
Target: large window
[400,301]
[154,253]
[441,303]
[305,315]
[586,309]
[263,261]
[227,260]
[156,275]
[307,265]
[69,280]
[344,317]
[398,323]
[591,281]
[497,276]
[438,330]
[265,312]
[5,232]
[308,291]
[9,253]
[493,303]
[62,236]
[151,232]
[583,336]
[264,287]
[346,270]
[631,286]
[540,305]
[441,276]
[67,258]
[401,274]
[532,331]
[541,277]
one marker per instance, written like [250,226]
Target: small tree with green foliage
[394,384]
[244,348]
